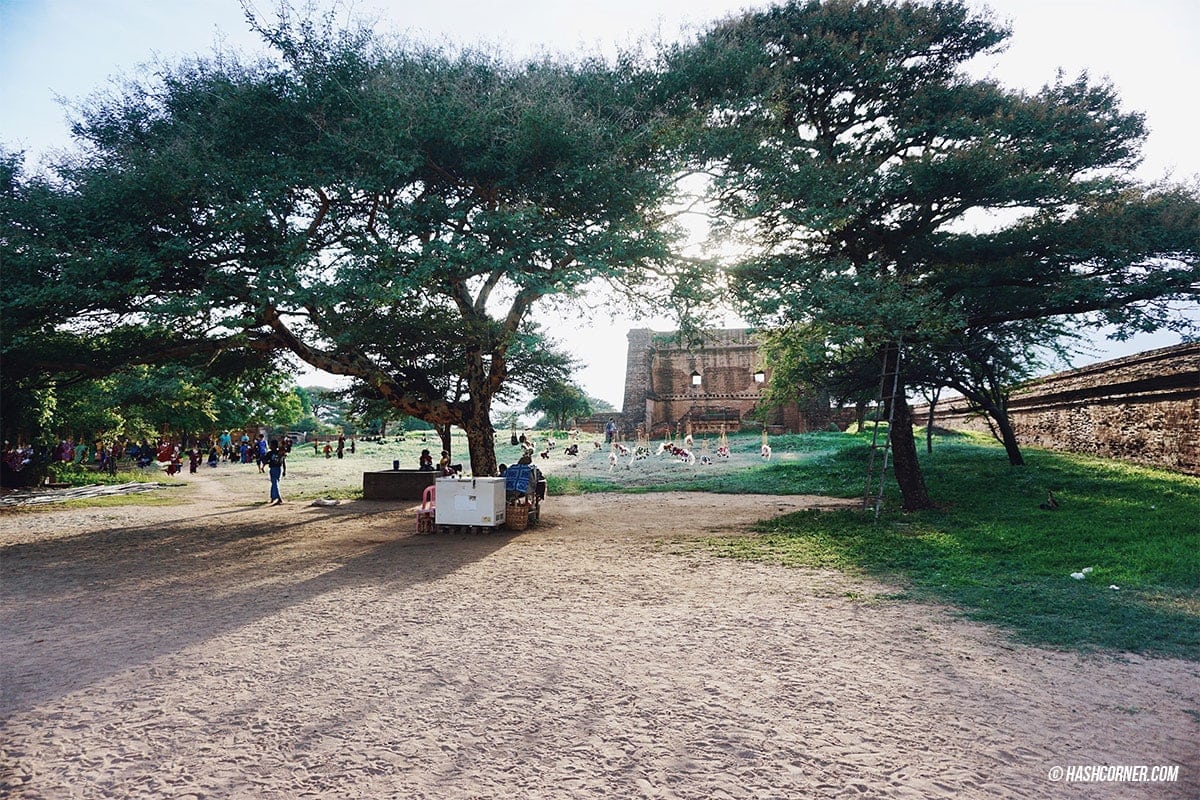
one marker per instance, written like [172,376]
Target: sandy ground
[225,649]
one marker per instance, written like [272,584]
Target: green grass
[75,475]
[329,493]
[990,551]
[155,498]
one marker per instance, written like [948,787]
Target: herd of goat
[620,452]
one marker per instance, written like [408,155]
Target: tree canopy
[383,211]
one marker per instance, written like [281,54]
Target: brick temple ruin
[706,386]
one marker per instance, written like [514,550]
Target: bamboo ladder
[877,461]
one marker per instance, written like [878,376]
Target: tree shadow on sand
[79,609]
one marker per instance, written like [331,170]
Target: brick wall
[725,364]
[1143,408]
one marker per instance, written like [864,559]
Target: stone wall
[1143,408]
[597,422]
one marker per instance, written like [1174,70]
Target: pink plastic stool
[426,513]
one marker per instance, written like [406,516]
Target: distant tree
[560,403]
[507,419]
[141,401]
[370,412]
[600,406]
[333,407]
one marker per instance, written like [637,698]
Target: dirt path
[223,649]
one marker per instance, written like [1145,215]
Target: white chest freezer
[469,501]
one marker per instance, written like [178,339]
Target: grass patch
[990,550]
[153,497]
[137,499]
[77,475]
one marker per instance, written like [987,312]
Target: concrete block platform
[397,484]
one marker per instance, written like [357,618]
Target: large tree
[896,204]
[387,212]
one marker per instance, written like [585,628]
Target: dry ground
[220,648]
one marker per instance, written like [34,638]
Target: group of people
[329,451]
[520,479]
[270,458]
[246,451]
[103,455]
[425,464]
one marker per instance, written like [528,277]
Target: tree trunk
[998,422]
[860,414]
[929,421]
[443,432]
[481,442]
[1007,435]
[904,459]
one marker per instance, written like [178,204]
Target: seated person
[425,463]
[518,479]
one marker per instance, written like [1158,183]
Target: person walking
[277,468]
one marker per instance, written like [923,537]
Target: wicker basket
[516,516]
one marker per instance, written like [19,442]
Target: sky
[63,50]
